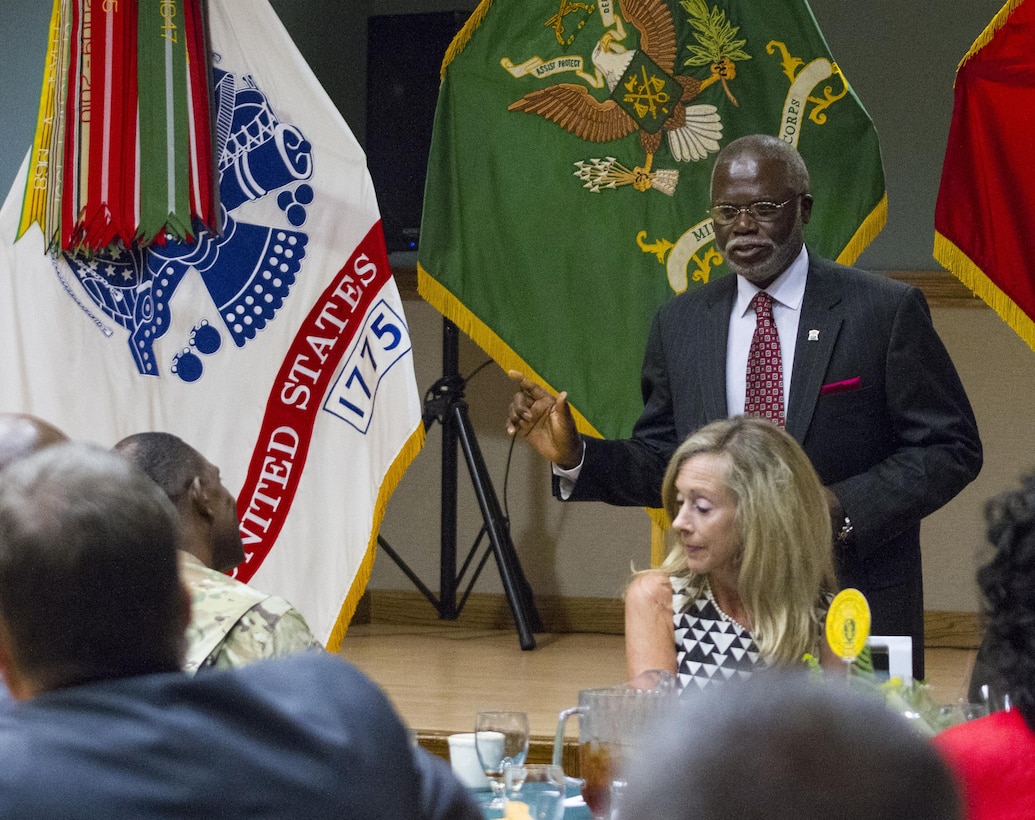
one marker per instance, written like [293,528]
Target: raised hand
[545,422]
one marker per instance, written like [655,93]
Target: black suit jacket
[874,400]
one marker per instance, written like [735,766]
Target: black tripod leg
[519,593]
[444,404]
[448,583]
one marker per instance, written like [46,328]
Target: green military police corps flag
[568,178]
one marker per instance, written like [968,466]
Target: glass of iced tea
[599,764]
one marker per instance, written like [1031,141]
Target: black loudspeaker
[404,57]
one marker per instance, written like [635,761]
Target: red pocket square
[841,386]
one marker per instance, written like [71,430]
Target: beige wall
[998,370]
[585,549]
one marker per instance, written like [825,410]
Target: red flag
[985,215]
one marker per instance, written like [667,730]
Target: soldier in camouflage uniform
[232,624]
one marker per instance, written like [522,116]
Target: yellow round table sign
[848,624]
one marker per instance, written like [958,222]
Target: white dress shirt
[787,291]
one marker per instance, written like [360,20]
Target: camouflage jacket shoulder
[233,624]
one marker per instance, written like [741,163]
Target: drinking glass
[501,740]
[537,787]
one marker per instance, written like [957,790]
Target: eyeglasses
[758,211]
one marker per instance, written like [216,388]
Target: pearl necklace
[708,594]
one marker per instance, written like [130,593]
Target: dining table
[575,807]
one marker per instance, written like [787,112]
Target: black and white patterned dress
[711,647]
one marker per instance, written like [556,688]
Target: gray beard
[781,258]
[776,264]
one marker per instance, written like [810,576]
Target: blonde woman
[751,574]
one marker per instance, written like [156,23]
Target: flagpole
[444,403]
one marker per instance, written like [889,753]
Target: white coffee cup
[463,757]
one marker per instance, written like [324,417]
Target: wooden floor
[438,676]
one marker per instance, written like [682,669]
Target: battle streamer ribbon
[164,134]
[34,205]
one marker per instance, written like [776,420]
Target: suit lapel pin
[813,335]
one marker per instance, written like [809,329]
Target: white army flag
[277,348]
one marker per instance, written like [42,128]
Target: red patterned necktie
[764,396]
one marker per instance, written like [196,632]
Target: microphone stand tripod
[444,403]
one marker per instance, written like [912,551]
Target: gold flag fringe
[463,36]
[407,453]
[964,269]
[985,37]
[867,231]
[440,298]
[658,536]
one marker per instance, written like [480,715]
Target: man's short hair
[89,586]
[170,462]
[780,747]
[769,148]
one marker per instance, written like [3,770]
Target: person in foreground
[751,575]
[92,615]
[783,747]
[22,435]
[232,624]
[994,756]
[863,383]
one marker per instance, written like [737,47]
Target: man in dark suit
[868,388]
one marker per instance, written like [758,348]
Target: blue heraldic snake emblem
[248,269]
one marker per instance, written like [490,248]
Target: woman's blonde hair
[786,561]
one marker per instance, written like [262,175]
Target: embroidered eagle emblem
[646,96]
[248,269]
